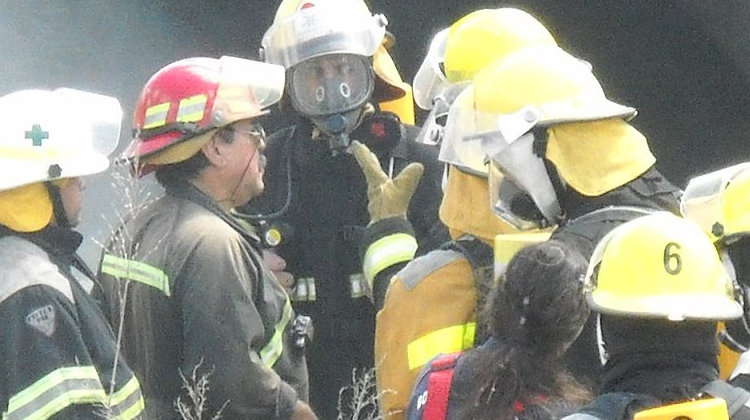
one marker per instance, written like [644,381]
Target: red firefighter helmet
[183,104]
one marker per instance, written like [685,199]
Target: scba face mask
[331,84]
[332,90]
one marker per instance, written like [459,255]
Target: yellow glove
[386,197]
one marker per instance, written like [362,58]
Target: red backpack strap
[439,386]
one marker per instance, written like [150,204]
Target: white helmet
[47,135]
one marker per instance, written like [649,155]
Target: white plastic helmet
[47,135]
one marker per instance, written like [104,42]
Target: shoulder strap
[738,399]
[439,386]
[591,227]
[481,257]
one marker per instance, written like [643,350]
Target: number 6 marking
[672,260]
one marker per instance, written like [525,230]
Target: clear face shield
[246,88]
[521,191]
[433,91]
[719,201]
[322,30]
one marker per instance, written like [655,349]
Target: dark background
[685,64]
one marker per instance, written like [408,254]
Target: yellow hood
[466,208]
[599,156]
[26,209]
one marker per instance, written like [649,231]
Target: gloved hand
[386,197]
[277,266]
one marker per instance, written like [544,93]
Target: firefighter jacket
[201,303]
[58,352]
[325,216]
[440,291]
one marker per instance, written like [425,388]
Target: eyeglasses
[256,133]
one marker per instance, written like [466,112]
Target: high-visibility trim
[126,403]
[445,340]
[55,392]
[136,271]
[156,116]
[357,285]
[271,352]
[387,251]
[304,290]
[192,109]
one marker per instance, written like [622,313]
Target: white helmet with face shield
[509,102]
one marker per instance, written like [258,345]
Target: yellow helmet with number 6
[660,266]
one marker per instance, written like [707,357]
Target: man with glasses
[183,280]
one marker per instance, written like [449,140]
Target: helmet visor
[322,30]
[430,80]
[711,201]
[330,84]
[245,89]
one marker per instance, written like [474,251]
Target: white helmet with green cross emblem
[47,135]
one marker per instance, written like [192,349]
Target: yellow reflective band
[272,351]
[156,116]
[55,392]
[136,271]
[446,340]
[192,109]
[386,252]
[126,403]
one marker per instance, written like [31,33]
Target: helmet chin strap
[230,199]
[61,216]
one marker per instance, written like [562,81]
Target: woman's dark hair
[173,174]
[535,312]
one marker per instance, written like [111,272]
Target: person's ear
[213,150]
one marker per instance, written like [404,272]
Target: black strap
[481,257]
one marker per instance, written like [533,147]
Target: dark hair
[175,173]
[535,312]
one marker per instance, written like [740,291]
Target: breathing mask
[332,90]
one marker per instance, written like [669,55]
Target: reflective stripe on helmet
[445,340]
[136,271]
[192,109]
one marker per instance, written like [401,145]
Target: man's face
[246,161]
[72,195]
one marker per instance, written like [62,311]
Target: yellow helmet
[531,87]
[483,36]
[660,266]
[457,53]
[719,202]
